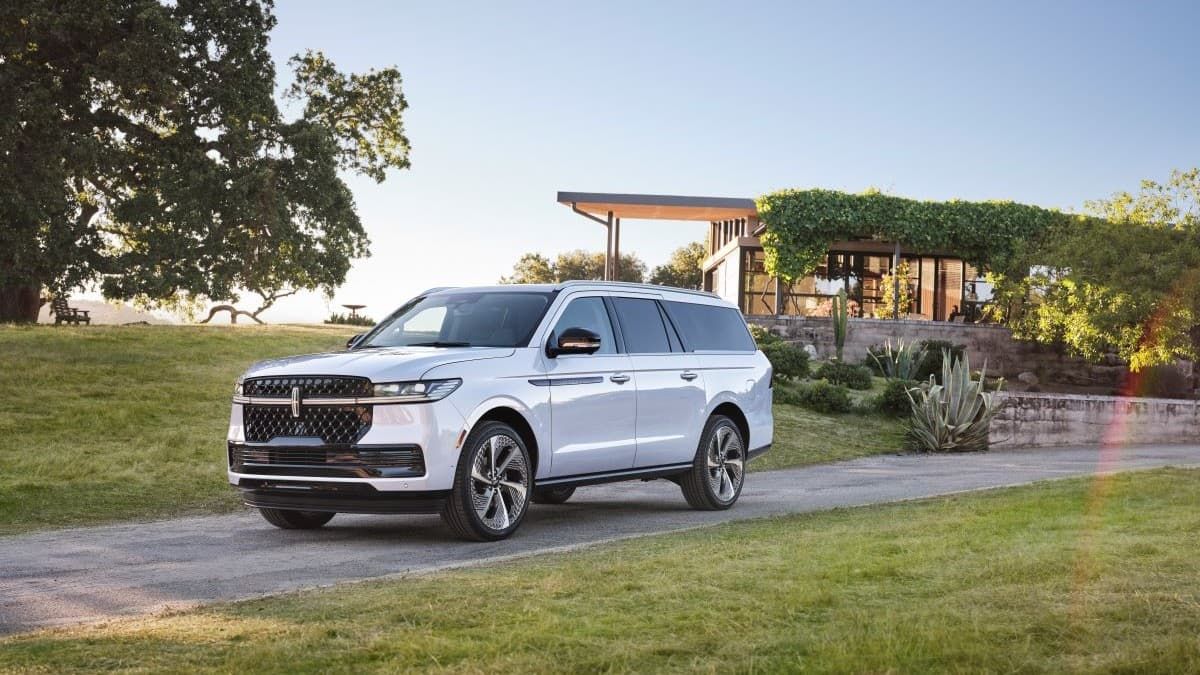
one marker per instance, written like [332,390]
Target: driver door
[593,399]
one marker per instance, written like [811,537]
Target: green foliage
[141,145]
[848,374]
[900,361]
[787,360]
[821,397]
[894,399]
[953,416]
[348,320]
[888,284]
[802,224]
[931,362]
[840,314]
[1127,281]
[762,336]
[682,270]
[1164,381]
[535,268]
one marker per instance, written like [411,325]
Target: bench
[72,315]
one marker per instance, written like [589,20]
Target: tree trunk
[20,304]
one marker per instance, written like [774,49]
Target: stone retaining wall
[1029,420]
[1005,355]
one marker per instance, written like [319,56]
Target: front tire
[552,495]
[491,485]
[287,519]
[715,480]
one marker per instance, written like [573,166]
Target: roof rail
[631,285]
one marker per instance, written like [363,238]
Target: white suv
[472,402]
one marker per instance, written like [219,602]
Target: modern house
[942,287]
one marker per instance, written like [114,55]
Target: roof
[660,207]
[563,285]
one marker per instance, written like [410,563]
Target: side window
[642,326]
[588,313]
[711,327]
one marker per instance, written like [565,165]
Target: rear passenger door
[670,389]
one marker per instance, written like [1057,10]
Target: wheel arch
[732,411]
[513,418]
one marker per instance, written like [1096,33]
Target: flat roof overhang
[659,207]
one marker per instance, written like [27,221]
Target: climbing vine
[803,224]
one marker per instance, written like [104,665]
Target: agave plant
[899,362]
[953,416]
[841,311]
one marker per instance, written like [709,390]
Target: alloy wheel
[726,463]
[499,482]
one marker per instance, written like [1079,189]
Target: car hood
[393,364]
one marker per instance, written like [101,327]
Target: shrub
[894,399]
[931,363]
[900,362]
[848,374]
[953,416]
[762,336]
[787,360]
[823,397]
[347,320]
[1166,381]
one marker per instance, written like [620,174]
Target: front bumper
[337,497]
[432,429]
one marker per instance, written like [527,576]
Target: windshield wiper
[438,344]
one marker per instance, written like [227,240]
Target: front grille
[398,457]
[311,386]
[335,425]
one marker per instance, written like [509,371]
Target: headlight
[417,392]
[237,388]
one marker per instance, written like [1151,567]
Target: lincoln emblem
[296,402]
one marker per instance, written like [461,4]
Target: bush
[848,374]
[1166,381]
[954,416]
[871,361]
[931,363]
[787,360]
[821,397]
[894,400]
[762,336]
[347,320]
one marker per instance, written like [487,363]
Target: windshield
[462,319]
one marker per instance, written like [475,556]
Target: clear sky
[1051,103]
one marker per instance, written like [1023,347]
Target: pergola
[609,208]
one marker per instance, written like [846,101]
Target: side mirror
[354,340]
[574,341]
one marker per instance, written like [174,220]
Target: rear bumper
[338,497]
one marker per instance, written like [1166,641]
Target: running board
[644,473]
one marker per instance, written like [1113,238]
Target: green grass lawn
[805,437]
[1096,575]
[107,423]
[104,423]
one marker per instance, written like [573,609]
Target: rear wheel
[491,486]
[553,495]
[715,480]
[288,519]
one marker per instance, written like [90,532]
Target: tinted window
[588,313]
[641,326]
[462,319]
[710,327]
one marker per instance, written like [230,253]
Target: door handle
[688,375]
[619,378]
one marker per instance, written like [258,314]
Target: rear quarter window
[711,327]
